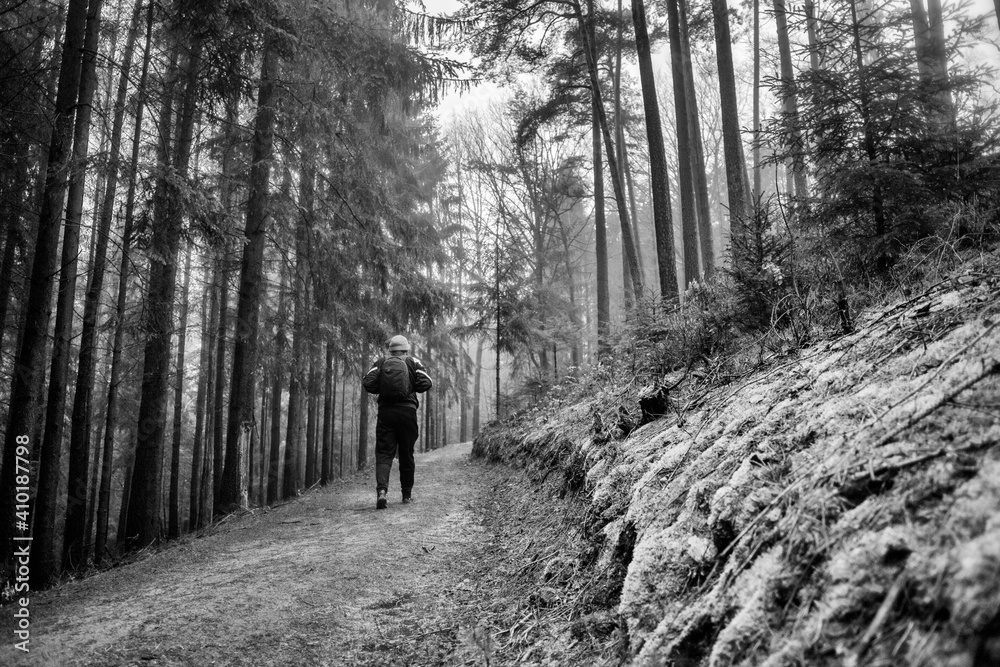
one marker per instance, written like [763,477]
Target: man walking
[397,379]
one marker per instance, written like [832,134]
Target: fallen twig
[990,368]
[876,625]
[933,376]
[917,460]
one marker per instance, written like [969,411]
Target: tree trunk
[142,513]
[574,313]
[241,412]
[463,414]
[218,401]
[20,203]
[206,487]
[935,21]
[311,419]
[274,455]
[7,272]
[868,133]
[632,202]
[363,430]
[932,60]
[443,440]
[736,173]
[174,529]
[697,154]
[245,443]
[293,433]
[45,560]
[477,390]
[261,459]
[143,523]
[757,188]
[628,242]
[430,416]
[126,493]
[689,215]
[631,295]
[329,398]
[290,483]
[229,175]
[263,436]
[343,422]
[600,239]
[663,224]
[201,403]
[111,415]
[428,425]
[26,385]
[277,373]
[94,478]
[922,40]
[790,100]
[82,410]
[814,50]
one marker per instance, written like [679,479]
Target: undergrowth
[670,364]
[783,291]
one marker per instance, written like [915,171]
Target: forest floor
[325,579]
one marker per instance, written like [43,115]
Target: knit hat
[399,343]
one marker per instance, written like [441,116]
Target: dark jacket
[421,381]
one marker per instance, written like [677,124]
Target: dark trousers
[395,434]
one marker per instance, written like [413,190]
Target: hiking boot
[381,502]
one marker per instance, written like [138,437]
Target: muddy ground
[322,580]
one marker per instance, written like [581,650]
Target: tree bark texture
[659,183]
[329,400]
[868,132]
[600,235]
[111,415]
[477,388]
[689,222]
[628,241]
[738,188]
[364,401]
[697,152]
[277,376]
[312,415]
[241,404]
[201,408]
[82,400]
[143,523]
[26,385]
[174,512]
[46,563]
[790,101]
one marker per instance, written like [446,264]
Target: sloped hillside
[837,506]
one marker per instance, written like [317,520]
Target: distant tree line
[855,132]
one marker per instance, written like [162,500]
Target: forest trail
[322,580]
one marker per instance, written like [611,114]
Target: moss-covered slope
[838,506]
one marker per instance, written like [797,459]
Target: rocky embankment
[839,505]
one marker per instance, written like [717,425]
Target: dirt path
[323,580]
